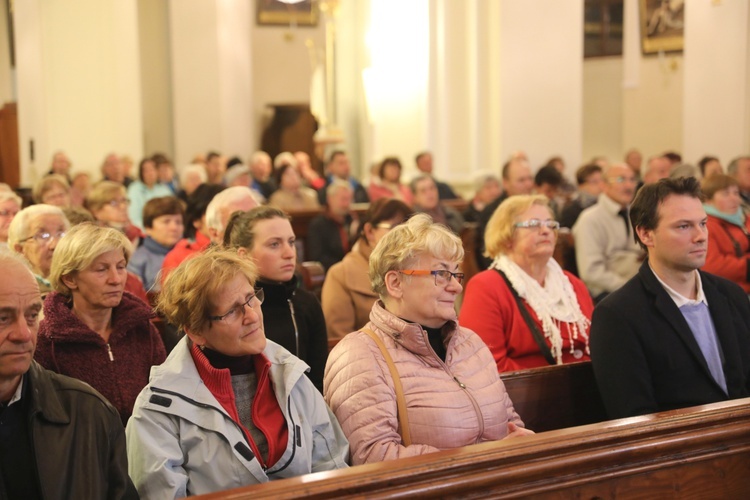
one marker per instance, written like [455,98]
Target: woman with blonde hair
[447,390]
[52,189]
[525,307]
[108,202]
[228,408]
[94,330]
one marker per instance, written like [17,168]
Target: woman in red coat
[728,230]
[527,310]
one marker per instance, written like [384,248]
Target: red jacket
[722,259]
[491,311]
[181,251]
[118,369]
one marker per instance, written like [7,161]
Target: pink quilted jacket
[452,404]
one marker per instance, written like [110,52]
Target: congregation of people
[157,325]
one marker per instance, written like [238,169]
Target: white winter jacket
[182,442]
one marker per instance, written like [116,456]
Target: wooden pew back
[555,397]
[701,452]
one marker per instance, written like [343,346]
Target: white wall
[602,109]
[542,78]
[78,93]
[716,80]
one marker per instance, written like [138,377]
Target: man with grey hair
[739,168]
[329,233]
[487,189]
[606,252]
[48,421]
[191,177]
[224,204]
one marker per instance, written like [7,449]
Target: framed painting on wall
[662,25]
[287,12]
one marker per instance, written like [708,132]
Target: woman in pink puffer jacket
[454,396]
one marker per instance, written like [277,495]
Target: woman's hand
[514,431]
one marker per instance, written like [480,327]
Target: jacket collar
[44,398]
[154,247]
[278,292]
[409,335]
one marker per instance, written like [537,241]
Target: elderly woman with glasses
[35,233]
[228,408]
[347,296]
[413,381]
[108,202]
[525,307]
[93,329]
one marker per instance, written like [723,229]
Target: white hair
[225,198]
[10,195]
[259,155]
[19,228]
[193,168]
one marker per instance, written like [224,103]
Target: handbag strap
[538,337]
[403,418]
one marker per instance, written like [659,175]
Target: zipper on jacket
[477,409]
[205,406]
[109,351]
[294,322]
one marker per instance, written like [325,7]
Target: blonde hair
[499,232]
[407,242]
[19,227]
[80,247]
[46,183]
[185,296]
[102,193]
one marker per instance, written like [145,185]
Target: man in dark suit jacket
[672,336]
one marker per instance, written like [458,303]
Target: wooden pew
[555,397]
[701,452]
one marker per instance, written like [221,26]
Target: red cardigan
[491,311]
[721,258]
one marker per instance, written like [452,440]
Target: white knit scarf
[554,303]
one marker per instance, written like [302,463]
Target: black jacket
[324,240]
[293,318]
[645,357]
[78,440]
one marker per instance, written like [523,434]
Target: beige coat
[304,199]
[347,297]
[455,403]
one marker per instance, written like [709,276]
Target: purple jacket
[118,369]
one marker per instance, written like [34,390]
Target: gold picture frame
[277,13]
[662,25]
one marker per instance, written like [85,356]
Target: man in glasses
[606,253]
[47,421]
[672,336]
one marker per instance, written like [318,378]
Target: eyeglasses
[44,238]
[537,224]
[119,202]
[8,213]
[238,311]
[621,179]
[442,276]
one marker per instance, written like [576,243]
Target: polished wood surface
[701,452]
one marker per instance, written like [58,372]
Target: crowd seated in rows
[291,194]
[228,408]
[347,296]
[94,330]
[527,310]
[292,316]
[339,168]
[413,381]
